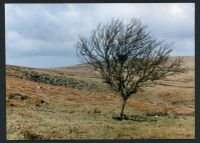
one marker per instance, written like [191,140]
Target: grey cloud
[35,47]
[50,31]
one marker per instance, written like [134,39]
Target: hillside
[74,103]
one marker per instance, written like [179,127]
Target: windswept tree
[127,57]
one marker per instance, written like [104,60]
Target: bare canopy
[127,57]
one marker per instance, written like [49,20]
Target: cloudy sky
[44,35]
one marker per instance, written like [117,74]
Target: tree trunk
[122,109]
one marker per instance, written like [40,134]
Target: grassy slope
[54,112]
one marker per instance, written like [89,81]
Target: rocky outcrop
[58,80]
[53,79]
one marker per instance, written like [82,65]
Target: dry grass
[54,112]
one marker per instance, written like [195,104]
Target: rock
[171,115]
[42,101]
[58,80]
[50,88]
[30,135]
[17,96]
[39,87]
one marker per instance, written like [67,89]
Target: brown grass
[54,112]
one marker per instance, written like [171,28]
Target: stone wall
[53,79]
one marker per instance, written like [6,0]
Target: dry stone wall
[60,80]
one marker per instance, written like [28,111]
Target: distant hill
[80,76]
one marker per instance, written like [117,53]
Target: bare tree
[127,57]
